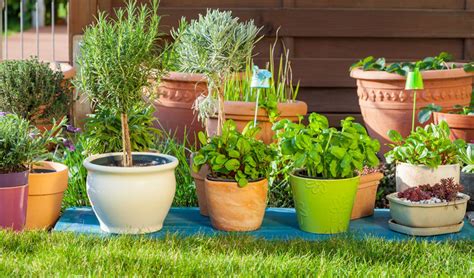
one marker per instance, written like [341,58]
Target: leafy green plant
[429,146]
[234,155]
[22,144]
[103,130]
[325,152]
[426,112]
[440,62]
[33,90]
[467,157]
[217,45]
[118,58]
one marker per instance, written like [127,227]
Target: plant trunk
[220,113]
[126,145]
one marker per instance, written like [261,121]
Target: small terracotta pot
[461,126]
[244,112]
[386,105]
[46,195]
[234,208]
[177,93]
[366,195]
[199,181]
[13,205]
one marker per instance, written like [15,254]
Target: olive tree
[118,57]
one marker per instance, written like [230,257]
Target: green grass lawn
[44,254]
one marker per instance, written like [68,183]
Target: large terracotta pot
[462,126]
[244,112]
[234,208]
[408,175]
[386,105]
[13,200]
[199,181]
[47,183]
[176,95]
[364,202]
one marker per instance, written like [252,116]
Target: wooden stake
[126,144]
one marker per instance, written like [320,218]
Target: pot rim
[359,73]
[209,178]
[393,198]
[233,182]
[453,115]
[58,167]
[245,108]
[321,179]
[185,76]
[130,170]
[427,167]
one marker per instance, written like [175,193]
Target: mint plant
[429,146]
[234,155]
[325,152]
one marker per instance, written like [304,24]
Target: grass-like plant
[118,58]
[217,45]
[33,90]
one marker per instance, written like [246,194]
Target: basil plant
[234,155]
[322,151]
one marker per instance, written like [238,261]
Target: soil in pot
[323,206]
[47,182]
[234,208]
[461,126]
[199,181]
[131,200]
[364,202]
[467,180]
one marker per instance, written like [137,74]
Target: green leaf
[395,136]
[202,138]
[232,164]
[234,154]
[337,152]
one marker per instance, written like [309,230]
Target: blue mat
[279,224]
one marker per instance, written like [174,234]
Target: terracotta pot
[13,201]
[467,180]
[199,181]
[234,208]
[45,195]
[176,95]
[427,215]
[461,126]
[386,105]
[364,202]
[408,175]
[244,112]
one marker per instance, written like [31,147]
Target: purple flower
[72,129]
[3,114]
[69,145]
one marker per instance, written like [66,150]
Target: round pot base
[433,231]
[131,230]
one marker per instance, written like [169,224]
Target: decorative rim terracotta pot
[323,206]
[467,180]
[461,126]
[364,202]
[386,105]
[45,196]
[427,215]
[13,205]
[131,200]
[177,93]
[234,208]
[244,112]
[408,175]
[199,181]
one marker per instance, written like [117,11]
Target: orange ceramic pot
[199,181]
[461,126]
[244,112]
[45,194]
[364,202]
[234,208]
[386,105]
[177,93]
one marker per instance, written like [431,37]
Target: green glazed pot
[324,206]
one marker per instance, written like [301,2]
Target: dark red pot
[13,179]
[13,202]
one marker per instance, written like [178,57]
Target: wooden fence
[327,36]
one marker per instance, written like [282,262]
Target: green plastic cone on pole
[414,80]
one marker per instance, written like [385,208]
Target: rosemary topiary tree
[118,57]
[216,45]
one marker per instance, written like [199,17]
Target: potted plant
[427,155]
[427,210]
[236,186]
[129,192]
[324,162]
[21,145]
[460,120]
[385,103]
[366,192]
[34,91]
[467,173]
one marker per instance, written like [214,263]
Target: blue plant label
[260,78]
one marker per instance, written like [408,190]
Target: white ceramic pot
[408,175]
[132,200]
[427,215]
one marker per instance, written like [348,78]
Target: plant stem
[220,113]
[414,112]
[127,146]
